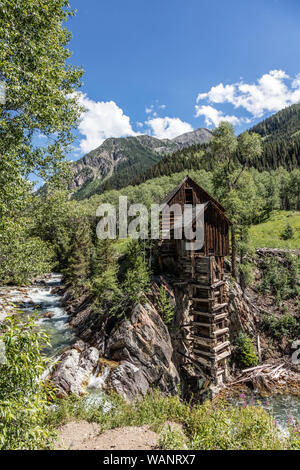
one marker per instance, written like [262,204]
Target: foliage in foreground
[22,256]
[205,427]
[23,397]
[40,101]
[37,118]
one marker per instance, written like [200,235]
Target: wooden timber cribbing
[207,337]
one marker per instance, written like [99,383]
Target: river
[52,318]
[284,408]
[51,315]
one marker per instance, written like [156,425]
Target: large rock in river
[143,346]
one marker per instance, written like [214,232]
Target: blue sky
[164,67]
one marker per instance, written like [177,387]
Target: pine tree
[102,256]
[77,272]
[104,281]
[165,308]
[288,232]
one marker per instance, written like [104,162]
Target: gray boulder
[73,371]
[143,345]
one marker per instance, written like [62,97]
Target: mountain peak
[118,160]
[198,136]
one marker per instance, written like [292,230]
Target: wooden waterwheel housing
[199,272]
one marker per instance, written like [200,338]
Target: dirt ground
[82,435]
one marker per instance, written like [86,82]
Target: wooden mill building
[199,274]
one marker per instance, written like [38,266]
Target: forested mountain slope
[117,161]
[281,139]
[281,148]
[284,124]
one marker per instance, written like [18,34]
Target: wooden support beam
[223,355]
[209,354]
[213,353]
[215,285]
[197,323]
[219,306]
[220,316]
[208,342]
[202,361]
[221,346]
[221,332]
[204,314]
[213,316]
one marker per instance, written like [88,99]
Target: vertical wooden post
[233,254]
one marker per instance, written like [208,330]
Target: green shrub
[105,288]
[173,439]
[285,325]
[280,278]
[288,232]
[247,274]
[23,397]
[245,352]
[22,256]
[165,308]
[77,271]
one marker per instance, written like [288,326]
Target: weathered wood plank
[221,346]
[223,356]
[221,331]
[219,306]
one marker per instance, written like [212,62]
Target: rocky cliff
[138,350]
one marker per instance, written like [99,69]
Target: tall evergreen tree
[78,269]
[103,255]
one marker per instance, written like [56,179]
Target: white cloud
[168,128]
[154,108]
[218,94]
[102,119]
[272,92]
[296,81]
[213,116]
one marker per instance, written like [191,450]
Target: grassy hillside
[268,234]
